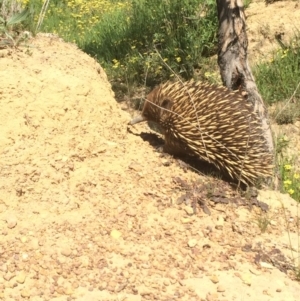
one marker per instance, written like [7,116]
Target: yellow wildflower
[287,167]
[291,191]
[287,182]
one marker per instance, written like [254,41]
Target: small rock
[115,234]
[135,167]
[66,251]
[266,265]
[8,276]
[21,277]
[25,257]
[192,243]
[246,278]
[102,286]
[211,297]
[166,162]
[189,210]
[186,220]
[220,289]
[11,221]
[24,239]
[25,293]
[214,279]
[144,291]
[131,212]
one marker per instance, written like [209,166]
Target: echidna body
[212,122]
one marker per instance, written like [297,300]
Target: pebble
[220,289]
[131,212]
[246,278]
[186,220]
[66,251]
[135,166]
[144,291]
[25,293]
[212,297]
[214,279]
[11,221]
[8,276]
[24,239]
[192,243]
[266,265]
[189,210]
[21,277]
[115,234]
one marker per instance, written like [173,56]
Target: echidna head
[156,108]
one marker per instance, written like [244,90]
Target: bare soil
[90,210]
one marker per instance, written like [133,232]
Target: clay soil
[91,210]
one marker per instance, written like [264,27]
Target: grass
[278,78]
[129,38]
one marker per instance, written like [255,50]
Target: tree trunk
[233,61]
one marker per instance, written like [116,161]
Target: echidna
[213,123]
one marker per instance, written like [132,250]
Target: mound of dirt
[90,211]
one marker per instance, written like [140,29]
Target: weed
[278,78]
[11,17]
[263,222]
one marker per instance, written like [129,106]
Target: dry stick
[42,14]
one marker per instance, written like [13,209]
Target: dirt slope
[88,210]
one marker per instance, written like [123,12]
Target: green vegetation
[135,40]
[289,175]
[278,78]
[12,14]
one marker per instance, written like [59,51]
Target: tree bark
[233,61]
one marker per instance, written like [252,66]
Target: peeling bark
[233,61]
